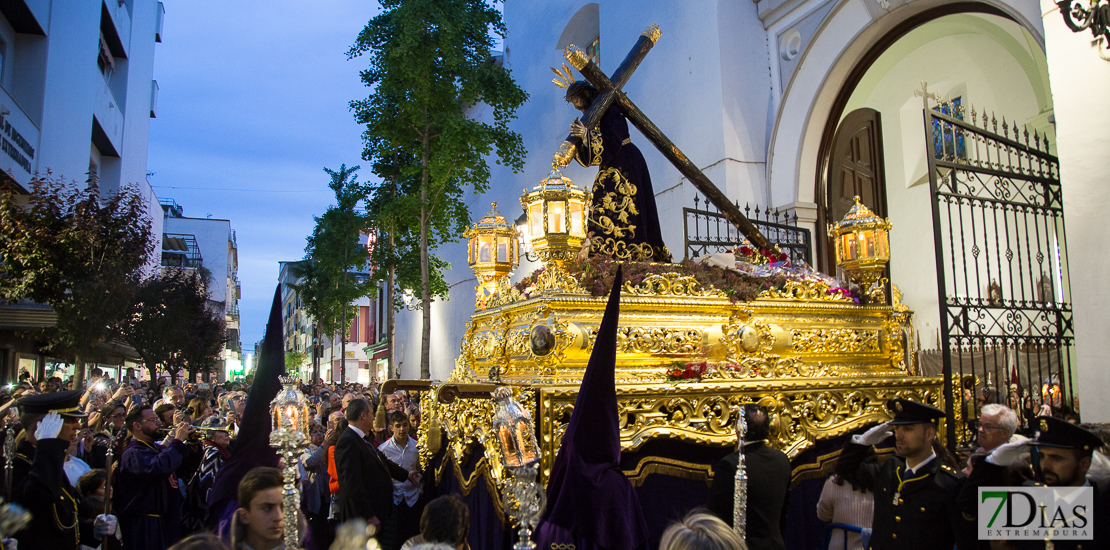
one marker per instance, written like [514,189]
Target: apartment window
[105,61]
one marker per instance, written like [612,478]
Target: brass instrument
[199,432]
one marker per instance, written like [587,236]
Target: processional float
[822,360]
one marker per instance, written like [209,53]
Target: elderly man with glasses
[997,424]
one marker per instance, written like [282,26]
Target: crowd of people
[124,464]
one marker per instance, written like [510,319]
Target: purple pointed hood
[252,446]
[587,492]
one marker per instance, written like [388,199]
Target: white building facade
[192,243]
[754,93]
[77,95]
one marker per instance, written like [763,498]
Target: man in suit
[915,493]
[768,472]
[366,475]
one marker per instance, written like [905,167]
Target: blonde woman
[700,530]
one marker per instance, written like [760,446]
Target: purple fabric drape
[588,495]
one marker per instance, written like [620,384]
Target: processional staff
[740,482]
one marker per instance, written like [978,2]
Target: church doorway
[880,142]
[856,167]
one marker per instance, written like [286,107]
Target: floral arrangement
[760,256]
[689,371]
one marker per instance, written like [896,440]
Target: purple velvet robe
[624,220]
[148,502]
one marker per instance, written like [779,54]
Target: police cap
[1054,432]
[912,412]
[64,403]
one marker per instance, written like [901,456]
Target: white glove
[105,524]
[874,436]
[10,544]
[1008,453]
[50,426]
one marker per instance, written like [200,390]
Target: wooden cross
[925,95]
[609,93]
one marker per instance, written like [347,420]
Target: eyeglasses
[990,427]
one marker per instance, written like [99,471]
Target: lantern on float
[493,252]
[862,247]
[556,218]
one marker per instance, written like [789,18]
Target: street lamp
[862,247]
[556,214]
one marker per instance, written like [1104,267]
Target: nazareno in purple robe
[590,502]
[147,501]
[623,218]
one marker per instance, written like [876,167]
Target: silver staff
[740,483]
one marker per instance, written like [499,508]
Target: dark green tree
[79,250]
[335,252]
[158,317]
[430,61]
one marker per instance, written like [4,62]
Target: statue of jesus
[624,222]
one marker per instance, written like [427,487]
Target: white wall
[986,60]
[212,238]
[1079,82]
[706,84]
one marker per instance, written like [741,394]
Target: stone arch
[583,28]
[837,56]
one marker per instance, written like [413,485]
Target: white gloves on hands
[50,426]
[875,435]
[105,524]
[1009,453]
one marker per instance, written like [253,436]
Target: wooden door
[855,169]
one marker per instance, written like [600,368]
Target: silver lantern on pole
[290,423]
[524,499]
[740,483]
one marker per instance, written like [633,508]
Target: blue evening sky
[252,106]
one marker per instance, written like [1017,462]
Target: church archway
[584,30]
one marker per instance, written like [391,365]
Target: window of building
[948,140]
[105,61]
[584,30]
[594,51]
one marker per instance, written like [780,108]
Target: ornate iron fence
[1002,269]
[706,231]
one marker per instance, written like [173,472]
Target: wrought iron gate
[1002,269]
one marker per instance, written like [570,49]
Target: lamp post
[492,253]
[556,214]
[288,437]
[524,499]
[863,249]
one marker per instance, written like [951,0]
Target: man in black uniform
[1064,453]
[915,495]
[768,472]
[45,491]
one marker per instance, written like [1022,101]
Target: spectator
[445,520]
[848,498]
[92,483]
[997,425]
[401,449]
[701,531]
[259,521]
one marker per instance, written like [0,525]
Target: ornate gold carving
[771,366]
[834,340]
[576,57]
[556,279]
[655,341]
[742,337]
[670,284]
[896,299]
[652,33]
[803,290]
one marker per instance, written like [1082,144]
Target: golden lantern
[493,252]
[862,247]
[556,214]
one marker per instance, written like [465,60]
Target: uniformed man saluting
[45,491]
[1064,456]
[915,495]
